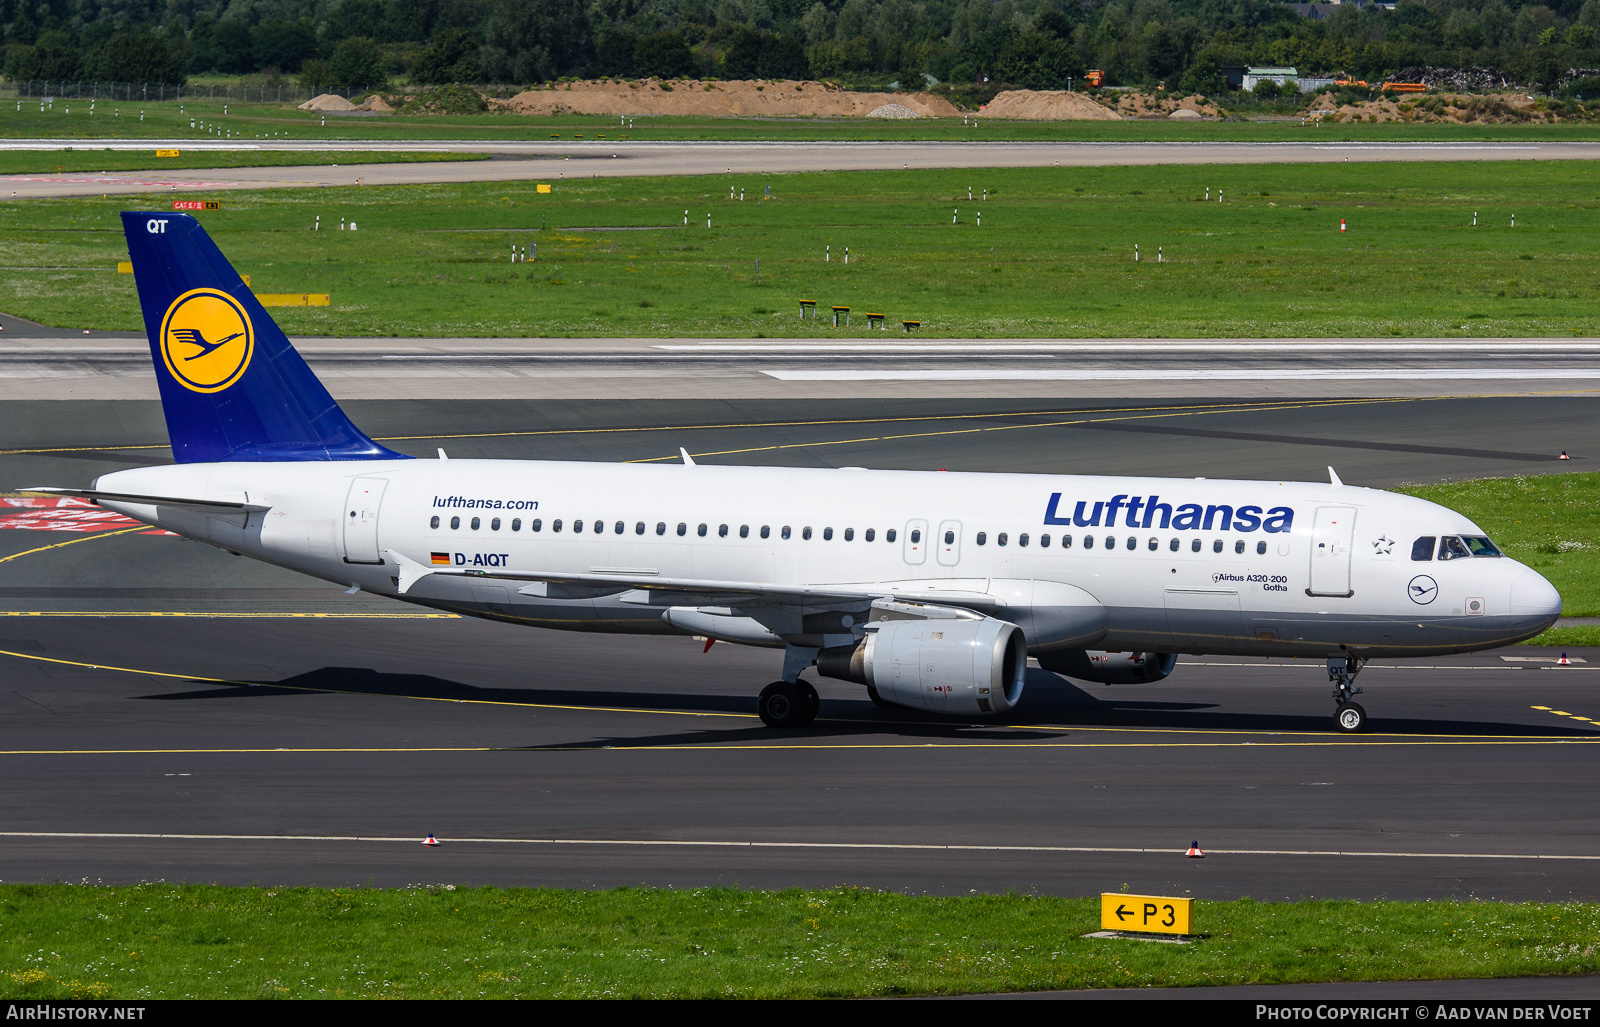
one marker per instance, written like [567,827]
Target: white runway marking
[714,844]
[1172,374]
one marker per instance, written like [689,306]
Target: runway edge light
[1146,914]
[430,840]
[1194,850]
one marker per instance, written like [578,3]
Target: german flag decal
[441,559]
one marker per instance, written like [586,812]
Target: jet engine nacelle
[1109,668]
[972,667]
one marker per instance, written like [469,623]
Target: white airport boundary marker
[734,844]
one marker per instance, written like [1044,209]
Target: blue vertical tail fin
[232,386]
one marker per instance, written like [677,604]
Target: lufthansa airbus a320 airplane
[931,589]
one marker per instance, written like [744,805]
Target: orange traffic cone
[1194,851]
[1564,662]
[1564,456]
[430,840]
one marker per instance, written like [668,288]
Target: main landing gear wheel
[785,704]
[1350,717]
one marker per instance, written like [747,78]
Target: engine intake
[1109,668]
[969,667]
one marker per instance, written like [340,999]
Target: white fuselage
[1228,572]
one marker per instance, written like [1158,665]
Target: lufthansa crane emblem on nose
[206,340]
[1422,590]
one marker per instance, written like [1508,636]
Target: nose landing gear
[1347,714]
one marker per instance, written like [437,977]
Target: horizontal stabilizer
[236,506]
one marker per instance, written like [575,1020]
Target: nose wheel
[1347,714]
[788,704]
[1350,717]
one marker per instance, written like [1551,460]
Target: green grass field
[1549,522]
[1052,257]
[171,941]
[75,160]
[69,118]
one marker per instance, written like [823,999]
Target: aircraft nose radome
[1532,595]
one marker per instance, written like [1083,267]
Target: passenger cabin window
[1238,546]
[805,533]
[849,534]
[916,535]
[1452,548]
[1066,541]
[888,536]
[982,538]
[722,531]
[661,527]
[555,525]
[785,531]
[1216,547]
[1044,541]
[435,522]
[1001,539]
[871,534]
[701,531]
[1133,543]
[766,531]
[827,534]
[455,522]
[683,529]
[1088,541]
[1155,544]
[536,524]
[577,526]
[1173,545]
[494,525]
[744,531]
[1022,539]
[516,524]
[1194,546]
[1111,543]
[1261,549]
[638,529]
[619,527]
[476,522]
[949,538]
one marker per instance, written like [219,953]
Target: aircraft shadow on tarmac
[1050,708]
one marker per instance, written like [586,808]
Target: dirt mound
[1163,105]
[1058,105]
[1435,108]
[328,102]
[375,103]
[893,110]
[717,99]
[1185,114]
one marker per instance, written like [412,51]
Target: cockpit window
[1452,548]
[1422,548]
[1481,546]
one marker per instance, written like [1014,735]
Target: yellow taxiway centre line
[1258,404]
[230,616]
[1563,713]
[71,541]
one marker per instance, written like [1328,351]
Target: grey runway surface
[281,732]
[41,363]
[555,160]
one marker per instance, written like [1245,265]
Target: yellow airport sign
[1156,914]
[124,267]
[167,153]
[292,299]
[541,188]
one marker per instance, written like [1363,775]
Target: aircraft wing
[694,591]
[236,506]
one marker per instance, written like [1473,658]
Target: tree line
[1039,44]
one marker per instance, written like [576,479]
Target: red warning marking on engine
[55,513]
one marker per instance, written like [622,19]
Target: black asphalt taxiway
[171,712]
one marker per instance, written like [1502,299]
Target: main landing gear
[788,704]
[1348,715]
